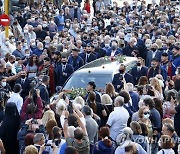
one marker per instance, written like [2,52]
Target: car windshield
[80,81]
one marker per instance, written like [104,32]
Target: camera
[70,107]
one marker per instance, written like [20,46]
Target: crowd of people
[138,113]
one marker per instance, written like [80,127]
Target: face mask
[3,84]
[121,71]
[44,10]
[148,45]
[146,116]
[6,43]
[33,44]
[52,22]
[44,25]
[113,47]
[41,48]
[153,65]
[27,54]
[138,64]
[106,45]
[23,76]
[13,40]
[153,49]
[135,43]
[64,63]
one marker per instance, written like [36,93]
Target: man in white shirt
[117,120]
[16,98]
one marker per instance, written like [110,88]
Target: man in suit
[130,47]
[63,72]
[48,69]
[156,69]
[117,79]
[138,71]
[114,50]
[75,60]
[25,83]
[176,56]
[153,53]
[43,89]
[88,56]
[98,50]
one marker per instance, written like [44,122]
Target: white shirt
[17,99]
[166,151]
[117,121]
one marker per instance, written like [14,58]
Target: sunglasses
[146,113]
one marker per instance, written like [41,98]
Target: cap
[164,54]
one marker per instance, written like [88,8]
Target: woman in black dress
[9,128]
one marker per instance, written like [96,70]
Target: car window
[81,80]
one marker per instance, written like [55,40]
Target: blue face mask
[113,47]
[146,116]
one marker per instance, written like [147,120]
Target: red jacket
[37,115]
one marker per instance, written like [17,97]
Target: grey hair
[119,101]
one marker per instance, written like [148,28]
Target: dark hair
[92,103]
[49,127]
[170,94]
[140,90]
[31,60]
[131,147]
[72,120]
[177,84]
[104,133]
[166,142]
[149,102]
[87,110]
[78,134]
[71,150]
[45,78]
[144,129]
[125,95]
[150,91]
[158,105]
[47,59]
[28,140]
[92,83]
[143,80]
[17,88]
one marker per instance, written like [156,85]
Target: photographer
[33,106]
[31,126]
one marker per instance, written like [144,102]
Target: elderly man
[130,47]
[39,50]
[116,121]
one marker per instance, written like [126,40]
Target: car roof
[104,66]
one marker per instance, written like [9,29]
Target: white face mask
[6,43]
[27,54]
[33,44]
[3,84]
[146,116]
[148,45]
[135,43]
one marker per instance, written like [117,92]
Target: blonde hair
[48,115]
[156,84]
[79,100]
[106,99]
[31,149]
[60,107]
